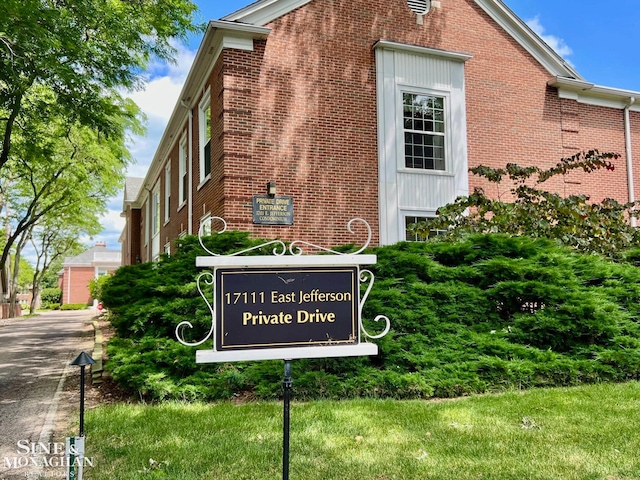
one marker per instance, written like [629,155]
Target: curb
[96,368]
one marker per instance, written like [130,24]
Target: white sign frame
[280,259]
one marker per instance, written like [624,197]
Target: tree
[61,174]
[530,210]
[84,52]
[65,64]
[15,274]
[52,242]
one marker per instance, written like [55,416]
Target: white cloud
[159,97]
[157,100]
[558,44]
[112,226]
[163,86]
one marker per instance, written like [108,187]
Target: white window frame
[204,227]
[167,192]
[203,106]
[147,220]
[182,172]
[155,211]
[155,221]
[416,217]
[409,68]
[445,95]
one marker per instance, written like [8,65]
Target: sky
[601,40]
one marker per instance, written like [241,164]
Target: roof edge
[263,12]
[404,47]
[592,94]
[215,39]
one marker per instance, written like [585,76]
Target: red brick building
[78,271]
[373,109]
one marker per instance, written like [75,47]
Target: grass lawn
[589,432]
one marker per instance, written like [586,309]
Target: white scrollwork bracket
[295,248]
[208,280]
[367,276]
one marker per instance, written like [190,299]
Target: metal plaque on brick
[272,210]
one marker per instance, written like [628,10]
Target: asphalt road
[34,358]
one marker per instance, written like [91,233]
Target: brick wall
[131,236]
[301,110]
[75,284]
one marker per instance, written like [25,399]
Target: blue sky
[601,40]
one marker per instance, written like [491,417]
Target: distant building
[78,271]
[131,210]
[368,108]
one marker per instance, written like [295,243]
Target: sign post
[286,306]
[287,383]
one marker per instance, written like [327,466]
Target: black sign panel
[272,210]
[286,307]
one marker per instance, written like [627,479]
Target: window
[424,131]
[204,120]
[182,170]
[167,191]
[411,235]
[144,221]
[155,213]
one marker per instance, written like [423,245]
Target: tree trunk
[13,291]
[34,298]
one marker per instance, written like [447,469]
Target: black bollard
[82,361]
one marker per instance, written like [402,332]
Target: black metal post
[82,361]
[82,400]
[287,383]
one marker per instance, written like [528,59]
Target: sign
[74,457]
[272,210]
[286,307]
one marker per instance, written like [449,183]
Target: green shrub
[530,210]
[74,306]
[50,306]
[95,286]
[50,295]
[483,314]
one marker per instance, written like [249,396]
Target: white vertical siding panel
[423,71]
[426,192]
[405,190]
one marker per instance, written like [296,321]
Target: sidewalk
[40,394]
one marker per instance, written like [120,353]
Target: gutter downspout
[627,135]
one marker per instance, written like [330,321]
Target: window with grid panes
[411,236]
[424,131]
[204,121]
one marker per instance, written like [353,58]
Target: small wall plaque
[272,210]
